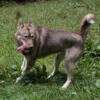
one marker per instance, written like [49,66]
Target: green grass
[56,14]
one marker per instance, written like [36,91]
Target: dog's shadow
[39,75]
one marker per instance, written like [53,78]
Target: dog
[38,42]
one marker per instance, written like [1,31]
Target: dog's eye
[26,36]
[32,36]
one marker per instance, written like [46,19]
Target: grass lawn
[56,14]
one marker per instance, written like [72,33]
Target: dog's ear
[30,23]
[20,23]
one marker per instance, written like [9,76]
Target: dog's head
[25,36]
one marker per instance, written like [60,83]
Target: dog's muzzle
[22,49]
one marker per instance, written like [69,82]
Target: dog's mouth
[21,48]
[24,51]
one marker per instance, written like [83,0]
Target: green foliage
[93,48]
[3,3]
[98,83]
[38,75]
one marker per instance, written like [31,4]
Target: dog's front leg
[24,63]
[23,68]
[26,66]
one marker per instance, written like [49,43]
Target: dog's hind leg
[26,66]
[58,58]
[71,58]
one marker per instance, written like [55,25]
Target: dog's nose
[30,47]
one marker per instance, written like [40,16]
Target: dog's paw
[51,75]
[67,83]
[18,79]
[63,87]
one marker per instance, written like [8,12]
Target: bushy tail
[86,22]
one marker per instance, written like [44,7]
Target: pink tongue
[20,49]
